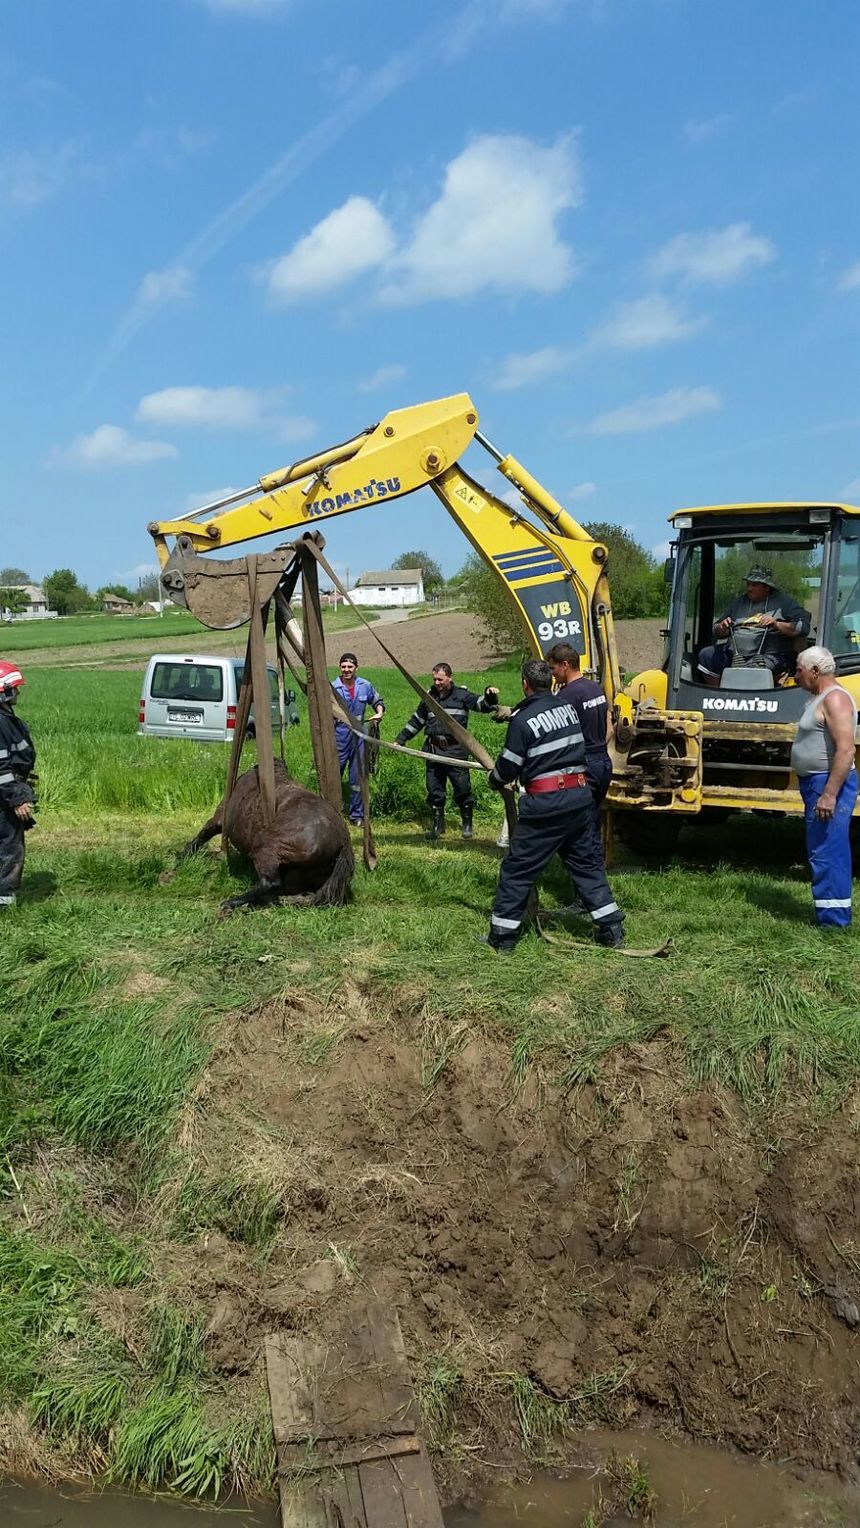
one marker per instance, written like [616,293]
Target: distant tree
[13,601]
[487,598]
[431,572]
[120,590]
[149,587]
[65,594]
[635,578]
[790,571]
[14,576]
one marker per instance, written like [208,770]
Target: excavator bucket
[217,591]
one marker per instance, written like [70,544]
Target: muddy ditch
[629,1254]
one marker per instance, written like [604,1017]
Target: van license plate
[185,716]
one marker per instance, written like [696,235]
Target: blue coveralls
[350,747]
[828,849]
[544,745]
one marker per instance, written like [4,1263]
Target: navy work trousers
[438,776]
[569,833]
[11,855]
[828,849]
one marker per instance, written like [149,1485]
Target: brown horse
[305,855]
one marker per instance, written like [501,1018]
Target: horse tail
[335,891]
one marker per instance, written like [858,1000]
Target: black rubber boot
[466,814]
[437,826]
[612,937]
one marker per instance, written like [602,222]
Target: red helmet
[11,679]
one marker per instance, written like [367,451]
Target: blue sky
[233,231]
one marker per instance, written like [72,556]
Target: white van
[185,695]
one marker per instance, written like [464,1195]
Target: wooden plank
[382,1495]
[334,1454]
[344,1418]
[387,1341]
[419,1492]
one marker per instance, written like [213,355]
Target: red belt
[563,782]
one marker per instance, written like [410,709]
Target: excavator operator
[771,621]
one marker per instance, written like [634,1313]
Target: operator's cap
[759,574]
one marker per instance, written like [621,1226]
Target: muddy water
[696,1487]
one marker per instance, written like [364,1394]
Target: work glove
[503,713]
[400,739]
[491,694]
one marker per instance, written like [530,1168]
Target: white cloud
[522,370]
[351,240]
[110,446]
[223,408]
[382,377]
[639,325]
[851,492]
[661,551]
[700,129]
[293,428]
[29,177]
[651,413]
[715,257]
[494,224]
[170,285]
[207,408]
[582,491]
[644,324]
[850,278]
[194,501]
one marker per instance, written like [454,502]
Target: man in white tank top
[822,757]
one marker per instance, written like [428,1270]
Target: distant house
[35,608]
[393,586]
[112,604]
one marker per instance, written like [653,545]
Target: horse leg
[265,889]
[208,830]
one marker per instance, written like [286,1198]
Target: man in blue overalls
[354,694]
[545,750]
[822,757]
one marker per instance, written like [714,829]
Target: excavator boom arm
[549,566]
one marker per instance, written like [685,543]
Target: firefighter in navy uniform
[458,702]
[17,797]
[545,750]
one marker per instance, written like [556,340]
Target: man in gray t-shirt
[777,619]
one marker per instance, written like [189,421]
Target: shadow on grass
[38,887]
[771,899]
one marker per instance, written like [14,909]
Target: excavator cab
[749,711]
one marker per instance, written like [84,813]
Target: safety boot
[611,937]
[437,826]
[466,815]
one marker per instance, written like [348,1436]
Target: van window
[187,681]
[273,681]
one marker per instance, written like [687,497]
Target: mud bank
[629,1253]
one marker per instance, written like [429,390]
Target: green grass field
[151,631]
[117,988]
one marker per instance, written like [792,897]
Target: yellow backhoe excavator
[680,745]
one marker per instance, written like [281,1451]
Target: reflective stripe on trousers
[828,849]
